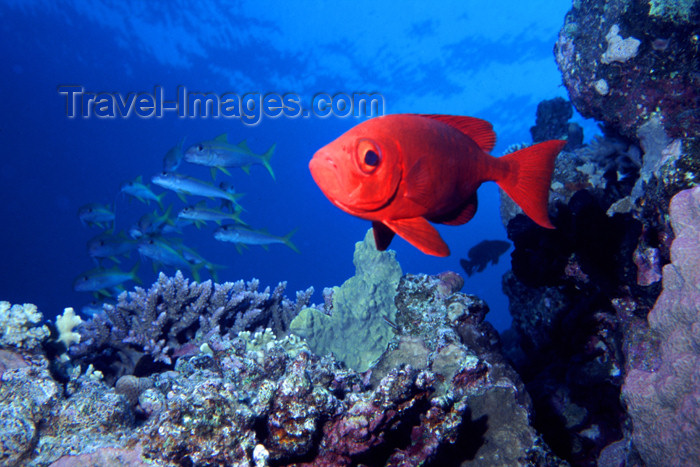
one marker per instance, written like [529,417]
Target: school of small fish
[157,236]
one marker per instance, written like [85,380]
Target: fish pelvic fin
[383,235]
[287,240]
[528,176]
[418,232]
[266,160]
[214,169]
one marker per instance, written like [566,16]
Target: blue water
[493,62]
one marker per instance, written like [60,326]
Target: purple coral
[648,262]
[665,404]
[174,316]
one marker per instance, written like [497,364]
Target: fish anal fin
[383,235]
[479,130]
[418,232]
[461,215]
[419,184]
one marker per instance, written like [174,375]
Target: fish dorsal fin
[461,215]
[244,145]
[419,184]
[479,130]
[383,235]
[418,232]
[223,138]
[139,179]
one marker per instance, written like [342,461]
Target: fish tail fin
[167,213]
[133,273]
[195,272]
[214,270]
[266,160]
[529,175]
[287,240]
[159,199]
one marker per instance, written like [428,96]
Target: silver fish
[241,235]
[100,279]
[173,158]
[200,213]
[184,185]
[141,191]
[96,214]
[219,153]
[109,245]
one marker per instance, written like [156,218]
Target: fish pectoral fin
[419,184]
[383,235]
[418,232]
[461,215]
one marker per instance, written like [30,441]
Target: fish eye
[200,147]
[371,158]
[368,155]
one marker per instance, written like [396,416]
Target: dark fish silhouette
[483,253]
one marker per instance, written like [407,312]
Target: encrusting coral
[664,401]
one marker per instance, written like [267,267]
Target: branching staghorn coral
[175,316]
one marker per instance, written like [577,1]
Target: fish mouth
[325,173]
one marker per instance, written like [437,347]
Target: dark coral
[553,123]
[580,295]
[661,78]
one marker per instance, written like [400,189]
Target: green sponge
[357,331]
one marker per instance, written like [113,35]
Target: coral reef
[553,123]
[439,394]
[580,294]
[174,317]
[356,328]
[664,401]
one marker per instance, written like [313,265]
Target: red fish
[404,171]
